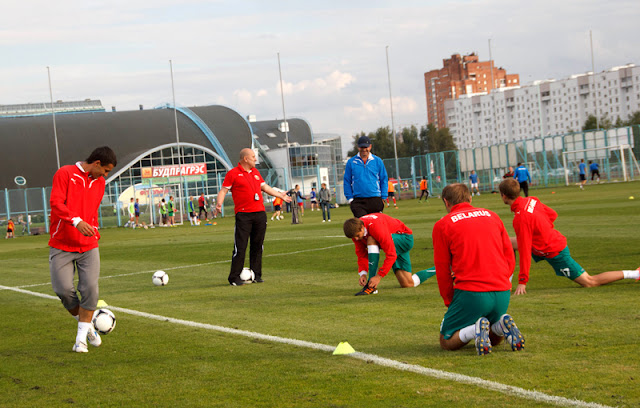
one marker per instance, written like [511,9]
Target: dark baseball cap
[364,141]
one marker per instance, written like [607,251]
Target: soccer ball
[160,278]
[104,321]
[247,275]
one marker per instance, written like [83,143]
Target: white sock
[468,333]
[497,329]
[83,330]
[416,280]
[635,274]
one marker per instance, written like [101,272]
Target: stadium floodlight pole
[175,118]
[593,74]
[53,115]
[393,128]
[286,125]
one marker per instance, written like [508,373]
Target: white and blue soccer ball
[104,321]
[160,278]
[247,275]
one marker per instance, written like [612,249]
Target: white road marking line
[193,265]
[430,372]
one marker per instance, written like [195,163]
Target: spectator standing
[76,195]
[523,177]
[325,202]
[365,181]
[246,186]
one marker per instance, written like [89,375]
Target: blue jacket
[474,178]
[522,174]
[365,180]
[594,166]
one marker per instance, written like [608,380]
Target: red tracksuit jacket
[380,226]
[533,223]
[74,194]
[474,245]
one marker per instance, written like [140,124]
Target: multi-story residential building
[543,108]
[461,75]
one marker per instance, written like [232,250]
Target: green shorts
[467,307]
[563,264]
[403,244]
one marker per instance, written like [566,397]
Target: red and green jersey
[473,245]
[533,224]
[379,226]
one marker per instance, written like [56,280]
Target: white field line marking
[430,372]
[192,265]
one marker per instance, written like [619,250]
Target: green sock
[425,274]
[374,258]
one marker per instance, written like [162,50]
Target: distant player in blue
[594,168]
[136,208]
[313,198]
[523,177]
[583,174]
[473,182]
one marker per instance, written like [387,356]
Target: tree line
[409,141]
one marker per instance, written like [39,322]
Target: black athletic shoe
[237,283]
[367,291]
[258,280]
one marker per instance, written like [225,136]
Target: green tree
[592,124]
[634,119]
[409,142]
[436,140]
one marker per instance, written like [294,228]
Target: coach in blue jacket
[365,181]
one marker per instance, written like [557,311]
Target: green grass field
[581,344]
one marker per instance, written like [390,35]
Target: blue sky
[332,52]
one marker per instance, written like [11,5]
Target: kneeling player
[537,238]
[373,232]
[472,248]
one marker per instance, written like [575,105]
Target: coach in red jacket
[246,186]
[75,199]
[536,237]
[474,261]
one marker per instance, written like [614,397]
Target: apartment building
[461,75]
[542,108]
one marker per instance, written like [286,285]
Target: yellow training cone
[102,303]
[343,348]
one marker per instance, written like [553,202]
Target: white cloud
[402,106]
[334,82]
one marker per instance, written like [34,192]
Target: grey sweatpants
[62,266]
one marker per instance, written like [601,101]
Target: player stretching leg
[373,232]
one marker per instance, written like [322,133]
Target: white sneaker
[323,221]
[329,220]
[80,348]
[94,337]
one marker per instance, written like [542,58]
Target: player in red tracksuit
[75,199]
[374,232]
[536,237]
[474,261]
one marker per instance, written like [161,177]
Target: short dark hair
[104,154]
[510,188]
[352,226]
[456,193]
